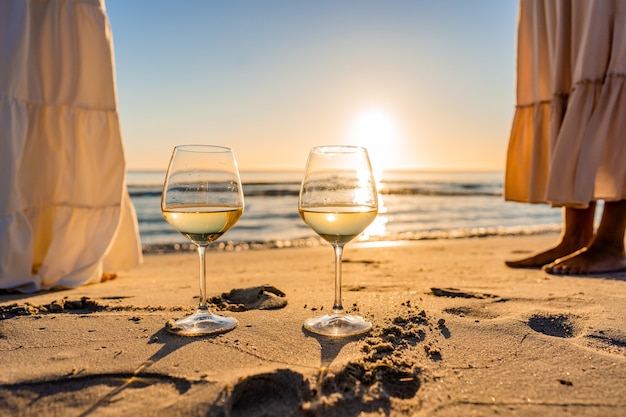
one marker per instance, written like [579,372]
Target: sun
[375,129]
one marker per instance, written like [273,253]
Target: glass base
[200,323]
[338,325]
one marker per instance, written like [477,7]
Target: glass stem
[203,305]
[337,306]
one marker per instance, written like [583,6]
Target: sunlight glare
[375,129]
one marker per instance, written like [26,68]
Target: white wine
[202,224]
[338,224]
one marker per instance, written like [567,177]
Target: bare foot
[594,260]
[543,258]
[577,233]
[605,253]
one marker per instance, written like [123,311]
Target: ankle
[576,241]
[608,244]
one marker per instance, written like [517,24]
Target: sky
[422,84]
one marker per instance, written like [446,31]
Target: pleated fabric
[65,214]
[568,139]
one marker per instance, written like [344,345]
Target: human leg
[606,250]
[577,233]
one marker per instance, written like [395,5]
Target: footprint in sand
[457,293]
[473,312]
[610,341]
[278,393]
[263,297]
[557,325]
[569,326]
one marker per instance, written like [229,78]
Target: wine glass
[202,198]
[338,200]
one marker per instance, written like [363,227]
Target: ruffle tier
[567,144]
[569,152]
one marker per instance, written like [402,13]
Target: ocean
[413,205]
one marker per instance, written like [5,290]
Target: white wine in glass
[338,200]
[202,198]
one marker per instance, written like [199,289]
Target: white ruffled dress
[568,140]
[65,214]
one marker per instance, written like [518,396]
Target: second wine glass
[338,200]
[202,198]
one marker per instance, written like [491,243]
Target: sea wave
[234,246]
[412,206]
[288,189]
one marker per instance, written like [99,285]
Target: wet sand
[455,333]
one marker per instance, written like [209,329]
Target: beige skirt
[568,140]
[65,214]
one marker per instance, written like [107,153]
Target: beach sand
[456,333]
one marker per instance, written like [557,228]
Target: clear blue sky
[424,84]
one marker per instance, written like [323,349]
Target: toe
[555,269]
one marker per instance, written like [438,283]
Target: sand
[456,333]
